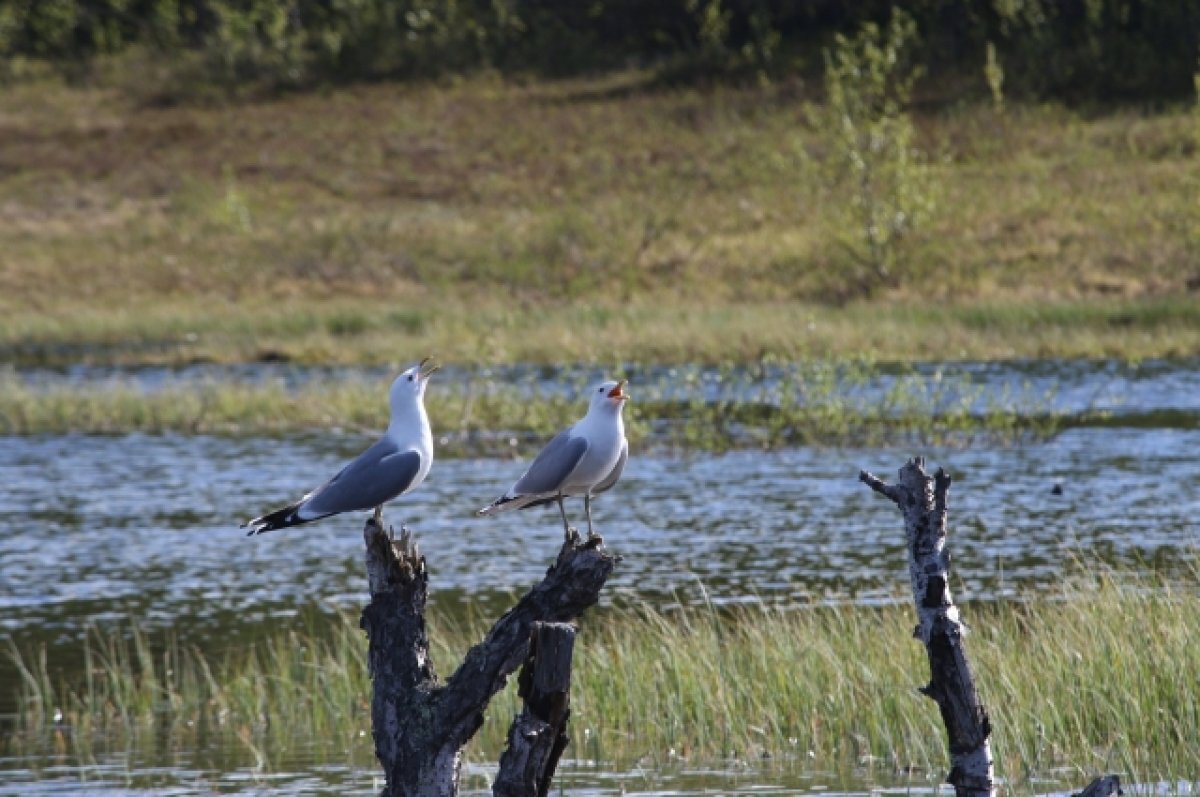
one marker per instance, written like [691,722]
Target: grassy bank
[1098,676]
[672,330]
[576,221]
[767,405]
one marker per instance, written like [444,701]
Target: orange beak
[618,392]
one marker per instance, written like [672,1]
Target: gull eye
[410,378]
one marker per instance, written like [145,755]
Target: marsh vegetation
[767,405]
[1097,675]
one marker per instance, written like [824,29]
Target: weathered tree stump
[420,726]
[538,735]
[922,500]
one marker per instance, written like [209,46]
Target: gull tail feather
[279,519]
[507,502]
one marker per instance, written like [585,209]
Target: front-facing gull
[584,459]
[396,464]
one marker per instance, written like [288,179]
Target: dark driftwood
[420,726]
[538,735]
[1106,786]
[922,500]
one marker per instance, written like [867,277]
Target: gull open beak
[426,368]
[618,392]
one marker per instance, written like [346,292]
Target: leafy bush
[879,186]
[306,41]
[1079,49]
[1101,49]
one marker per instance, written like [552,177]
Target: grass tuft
[768,405]
[1099,675]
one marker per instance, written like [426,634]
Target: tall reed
[1098,675]
[767,404]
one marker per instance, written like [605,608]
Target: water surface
[103,528]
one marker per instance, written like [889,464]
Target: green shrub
[1099,49]
[880,186]
[1085,49]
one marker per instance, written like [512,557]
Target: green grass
[669,330]
[817,403]
[575,221]
[1099,675]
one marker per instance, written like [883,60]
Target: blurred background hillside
[317,179]
[1081,50]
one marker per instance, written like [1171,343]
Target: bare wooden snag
[922,500]
[538,735]
[419,725]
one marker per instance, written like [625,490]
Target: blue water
[123,775]
[104,528]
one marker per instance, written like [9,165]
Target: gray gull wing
[376,476]
[552,466]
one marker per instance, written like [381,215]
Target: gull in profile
[585,459]
[396,464]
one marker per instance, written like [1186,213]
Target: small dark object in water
[273,356]
[1057,489]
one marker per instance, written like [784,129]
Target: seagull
[396,464]
[584,459]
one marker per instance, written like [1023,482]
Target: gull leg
[587,508]
[562,509]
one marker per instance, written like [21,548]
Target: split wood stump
[421,726]
[923,501]
[538,735]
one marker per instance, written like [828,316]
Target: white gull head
[407,393]
[608,397]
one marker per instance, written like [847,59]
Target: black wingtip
[494,505]
[279,519]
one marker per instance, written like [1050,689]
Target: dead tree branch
[922,500]
[538,735]
[420,726]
